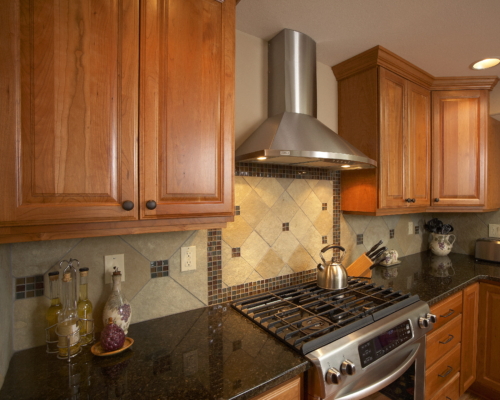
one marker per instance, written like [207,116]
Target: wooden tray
[97,349]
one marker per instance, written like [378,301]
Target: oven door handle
[387,380]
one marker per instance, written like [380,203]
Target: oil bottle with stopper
[85,309]
[117,307]
[52,314]
[68,326]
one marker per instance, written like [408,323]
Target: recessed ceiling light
[486,63]
[345,166]
[261,158]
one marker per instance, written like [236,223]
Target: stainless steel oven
[364,342]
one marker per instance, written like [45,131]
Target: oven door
[400,377]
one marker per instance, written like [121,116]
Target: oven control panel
[382,344]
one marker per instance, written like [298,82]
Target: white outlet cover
[116,260]
[411,229]
[188,258]
[494,230]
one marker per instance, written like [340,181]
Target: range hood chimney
[292,135]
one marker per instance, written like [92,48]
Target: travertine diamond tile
[311,206]
[348,241]
[299,225]
[391,220]
[299,190]
[313,243]
[487,218]
[358,222]
[254,249]
[286,270]
[29,322]
[324,222]
[156,246]
[312,182]
[401,233]
[254,277]
[285,207]
[285,245]
[269,190]
[376,230]
[285,182]
[324,191]
[226,251]
[236,232]
[270,265]
[253,209]
[35,258]
[236,271]
[300,260]
[253,181]
[241,189]
[269,228]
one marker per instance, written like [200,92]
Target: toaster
[488,249]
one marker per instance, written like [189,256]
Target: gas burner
[313,325]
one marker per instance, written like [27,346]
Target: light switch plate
[118,261]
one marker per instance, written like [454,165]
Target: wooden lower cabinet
[487,381]
[450,391]
[469,336]
[289,390]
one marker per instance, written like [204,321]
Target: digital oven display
[379,346]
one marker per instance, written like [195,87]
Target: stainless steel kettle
[332,275]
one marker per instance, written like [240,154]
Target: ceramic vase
[441,245]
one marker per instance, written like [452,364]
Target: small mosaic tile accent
[391,233]
[237,210]
[235,252]
[214,263]
[324,239]
[283,171]
[29,286]
[286,226]
[417,229]
[159,268]
[336,208]
[359,238]
[324,206]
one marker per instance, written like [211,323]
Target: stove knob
[423,322]
[431,317]
[333,376]
[348,368]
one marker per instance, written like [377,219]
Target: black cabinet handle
[151,205]
[449,313]
[450,338]
[436,200]
[128,205]
[448,371]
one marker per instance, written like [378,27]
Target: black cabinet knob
[408,200]
[128,205]
[151,205]
[413,200]
[436,200]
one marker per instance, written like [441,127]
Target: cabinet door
[469,336]
[68,153]
[488,374]
[459,147]
[417,145]
[392,161]
[187,90]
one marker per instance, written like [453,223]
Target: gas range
[359,339]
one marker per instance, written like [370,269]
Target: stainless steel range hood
[292,135]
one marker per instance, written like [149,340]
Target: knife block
[360,267]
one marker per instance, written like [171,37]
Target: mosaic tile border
[159,268]
[284,171]
[216,293]
[29,286]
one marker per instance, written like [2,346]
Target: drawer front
[446,310]
[441,341]
[442,372]
[450,391]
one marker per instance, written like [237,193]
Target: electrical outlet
[494,230]
[118,261]
[188,258]
[410,228]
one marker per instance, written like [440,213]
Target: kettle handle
[331,246]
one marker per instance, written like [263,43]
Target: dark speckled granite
[415,274]
[210,353]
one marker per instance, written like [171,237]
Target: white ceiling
[443,37]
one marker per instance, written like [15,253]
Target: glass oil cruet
[68,326]
[52,314]
[85,310]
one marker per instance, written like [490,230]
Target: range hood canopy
[292,135]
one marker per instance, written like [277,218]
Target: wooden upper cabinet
[461,166]
[70,154]
[187,87]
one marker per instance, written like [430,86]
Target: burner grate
[307,317]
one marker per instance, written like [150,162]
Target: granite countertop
[209,353]
[427,275]
[214,352]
